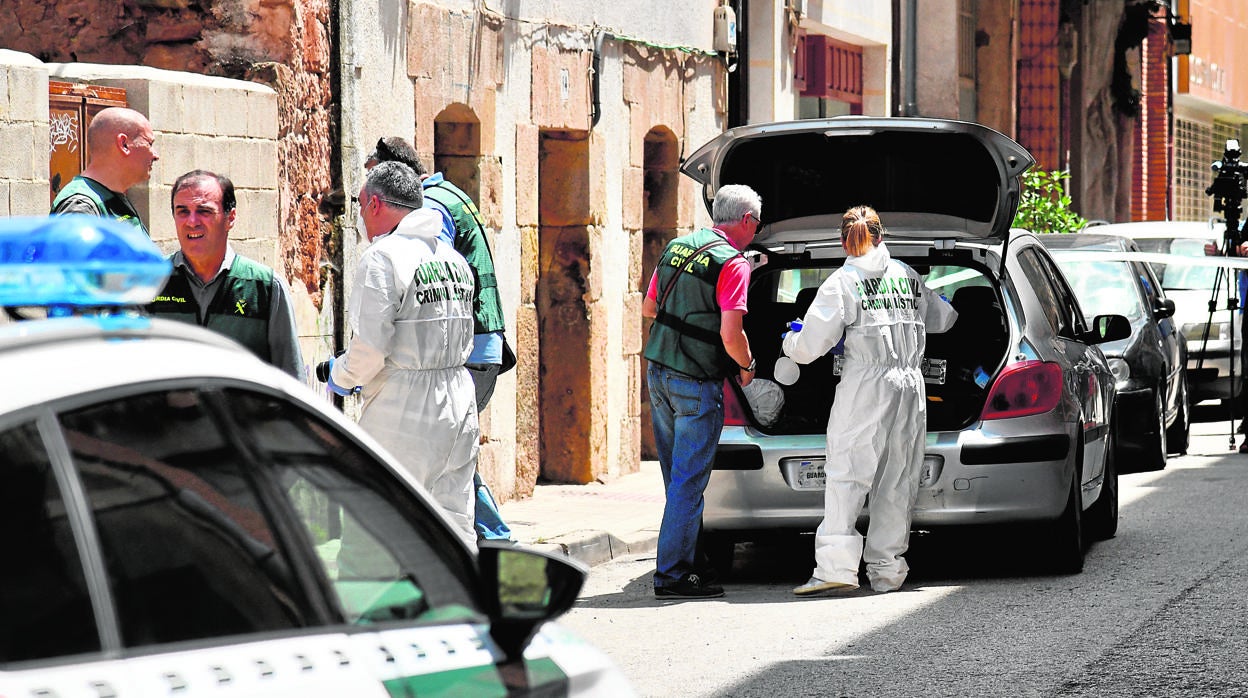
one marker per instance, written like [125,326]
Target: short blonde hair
[860,227]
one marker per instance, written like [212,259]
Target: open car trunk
[974,347]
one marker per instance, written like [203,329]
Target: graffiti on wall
[63,130]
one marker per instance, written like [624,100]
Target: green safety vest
[685,335]
[487,305]
[239,310]
[107,202]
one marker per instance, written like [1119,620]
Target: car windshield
[1103,287]
[961,359]
[945,280]
[1180,277]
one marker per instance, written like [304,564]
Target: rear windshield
[789,284]
[1180,277]
[1103,288]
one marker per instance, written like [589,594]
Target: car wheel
[1178,437]
[1102,516]
[1065,535]
[1154,455]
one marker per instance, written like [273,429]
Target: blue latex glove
[794,326]
[338,388]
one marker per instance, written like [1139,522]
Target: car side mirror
[1108,328]
[521,589]
[1164,309]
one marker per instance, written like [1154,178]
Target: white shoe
[818,586]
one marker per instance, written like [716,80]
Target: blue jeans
[488,521]
[688,417]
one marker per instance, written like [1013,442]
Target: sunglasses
[392,202]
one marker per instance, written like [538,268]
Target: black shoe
[708,575]
[690,586]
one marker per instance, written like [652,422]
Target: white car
[1214,339]
[184,519]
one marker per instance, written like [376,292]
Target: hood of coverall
[927,178]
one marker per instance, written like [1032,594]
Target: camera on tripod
[1229,189]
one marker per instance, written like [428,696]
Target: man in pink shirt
[697,298]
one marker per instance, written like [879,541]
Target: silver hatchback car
[1019,399]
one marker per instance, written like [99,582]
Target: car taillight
[734,414]
[1025,388]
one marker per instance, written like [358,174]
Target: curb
[597,547]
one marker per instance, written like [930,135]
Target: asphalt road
[1159,610]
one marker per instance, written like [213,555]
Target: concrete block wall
[23,135]
[225,126]
[205,123]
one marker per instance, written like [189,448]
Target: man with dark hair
[410,313]
[214,287]
[463,228]
[395,149]
[123,148]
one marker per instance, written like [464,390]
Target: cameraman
[1240,250]
[1229,189]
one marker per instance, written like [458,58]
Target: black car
[1150,365]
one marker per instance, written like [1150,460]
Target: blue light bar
[77,261]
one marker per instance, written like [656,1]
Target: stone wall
[562,185]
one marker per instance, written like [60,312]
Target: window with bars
[1222,131]
[966,39]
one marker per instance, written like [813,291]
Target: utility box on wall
[70,110]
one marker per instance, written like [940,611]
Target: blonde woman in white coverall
[410,312]
[878,423]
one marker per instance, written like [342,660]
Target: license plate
[934,370]
[810,475]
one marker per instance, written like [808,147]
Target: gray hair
[733,201]
[396,184]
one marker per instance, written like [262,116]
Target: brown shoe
[819,586]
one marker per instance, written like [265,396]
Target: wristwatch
[750,368]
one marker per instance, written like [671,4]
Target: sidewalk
[592,523]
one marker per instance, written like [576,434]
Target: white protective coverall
[410,312]
[878,423]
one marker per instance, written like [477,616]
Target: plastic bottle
[786,371]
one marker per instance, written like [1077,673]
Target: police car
[181,519]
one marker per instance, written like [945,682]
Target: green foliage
[1044,206]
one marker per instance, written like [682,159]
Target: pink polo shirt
[730,288]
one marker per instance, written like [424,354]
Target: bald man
[122,148]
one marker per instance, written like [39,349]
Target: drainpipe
[343,74]
[911,108]
[595,79]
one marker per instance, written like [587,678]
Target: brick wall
[1038,83]
[1151,174]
